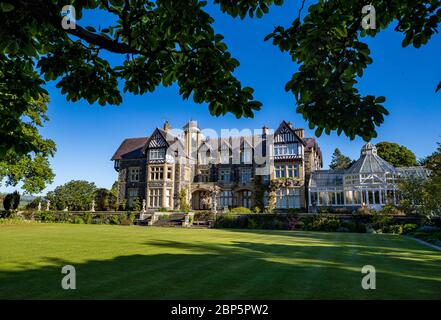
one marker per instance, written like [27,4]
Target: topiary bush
[241,210]
[11,201]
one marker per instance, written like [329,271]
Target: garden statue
[48,205]
[144,204]
[206,200]
[93,206]
[39,206]
[214,192]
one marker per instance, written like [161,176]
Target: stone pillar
[172,192]
[147,186]
[164,186]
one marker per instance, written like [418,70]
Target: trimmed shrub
[395,229]
[16,220]
[44,216]
[294,223]
[352,226]
[380,223]
[64,217]
[409,228]
[204,216]
[392,210]
[7,214]
[322,223]
[78,220]
[127,218]
[114,219]
[241,210]
[363,211]
[87,217]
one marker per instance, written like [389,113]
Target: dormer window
[157,154]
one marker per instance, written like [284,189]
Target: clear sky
[87,135]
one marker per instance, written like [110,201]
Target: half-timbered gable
[156,148]
[287,144]
[157,168]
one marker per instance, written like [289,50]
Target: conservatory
[370,181]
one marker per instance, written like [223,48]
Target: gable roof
[132,146]
[284,124]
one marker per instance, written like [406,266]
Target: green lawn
[162,263]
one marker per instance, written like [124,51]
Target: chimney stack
[167,126]
[300,132]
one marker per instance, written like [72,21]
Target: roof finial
[369,148]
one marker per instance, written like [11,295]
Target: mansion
[158,167]
[238,170]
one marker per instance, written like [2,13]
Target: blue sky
[87,135]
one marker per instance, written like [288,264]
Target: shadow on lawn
[238,270]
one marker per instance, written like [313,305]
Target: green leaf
[6,7]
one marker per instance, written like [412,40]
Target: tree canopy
[105,200]
[76,195]
[339,160]
[173,41]
[423,196]
[433,162]
[24,153]
[395,154]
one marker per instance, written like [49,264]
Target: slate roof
[312,143]
[130,148]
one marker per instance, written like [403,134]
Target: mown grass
[173,263]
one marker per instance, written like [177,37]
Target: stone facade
[157,167]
